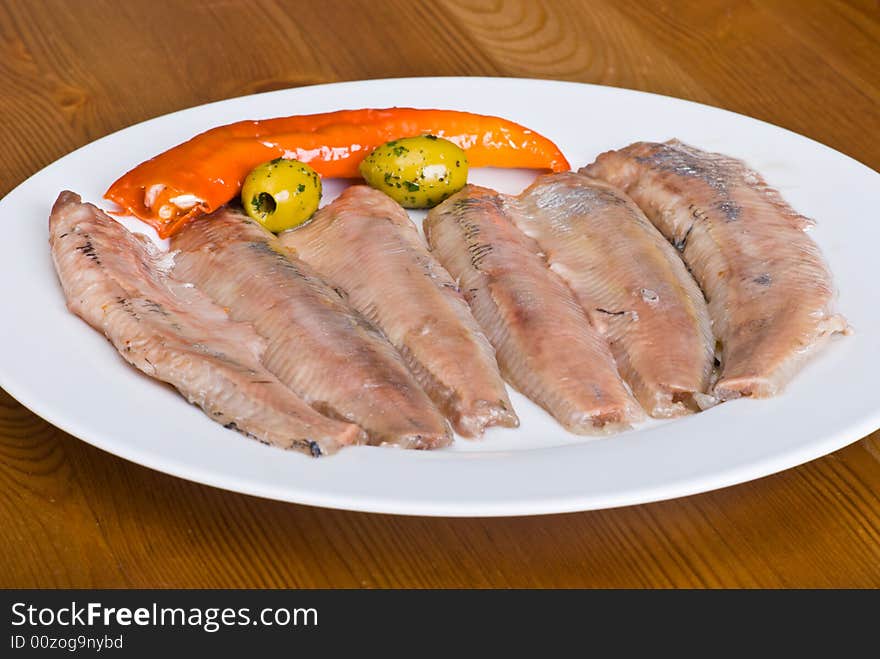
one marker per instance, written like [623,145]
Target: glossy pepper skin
[208,170]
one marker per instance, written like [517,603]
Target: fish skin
[365,245]
[544,342]
[116,281]
[316,344]
[631,283]
[769,290]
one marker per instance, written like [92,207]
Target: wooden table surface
[71,72]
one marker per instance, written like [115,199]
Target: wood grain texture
[70,72]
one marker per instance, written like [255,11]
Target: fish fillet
[545,344]
[365,245]
[630,281]
[769,291]
[116,281]
[318,346]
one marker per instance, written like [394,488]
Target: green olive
[281,194]
[417,172]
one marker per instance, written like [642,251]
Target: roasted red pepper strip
[204,173]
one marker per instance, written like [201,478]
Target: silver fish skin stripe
[545,344]
[118,283]
[631,283]
[770,293]
[365,245]
[316,344]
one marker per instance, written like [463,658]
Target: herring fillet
[769,290]
[116,282]
[365,245]
[544,342]
[316,344]
[630,281]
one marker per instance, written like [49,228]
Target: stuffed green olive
[417,172]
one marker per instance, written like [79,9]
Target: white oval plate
[70,375]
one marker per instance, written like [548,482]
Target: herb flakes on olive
[281,194]
[417,172]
